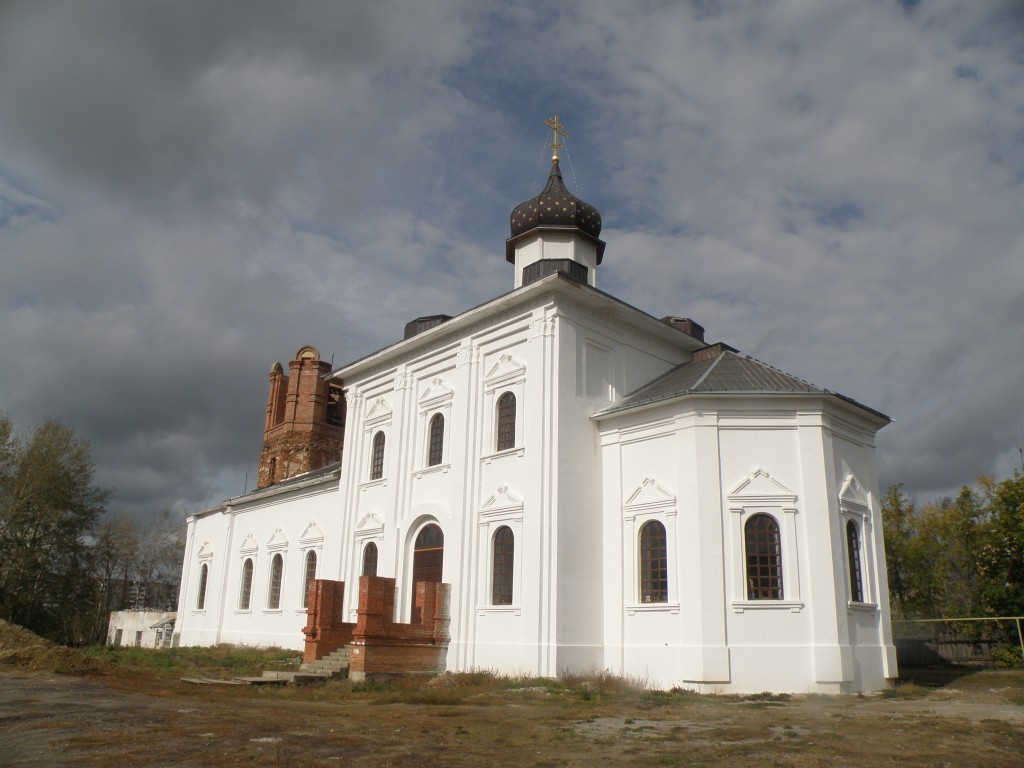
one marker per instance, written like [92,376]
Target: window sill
[382,482]
[442,468]
[794,606]
[243,611]
[866,607]
[652,608]
[483,610]
[272,611]
[488,458]
[198,611]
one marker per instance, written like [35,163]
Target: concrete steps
[332,665]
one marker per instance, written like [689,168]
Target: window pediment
[437,394]
[370,524]
[249,545]
[504,372]
[205,551]
[378,413]
[312,534]
[761,488]
[278,541]
[503,502]
[853,497]
[650,494]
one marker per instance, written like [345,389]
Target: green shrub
[1007,656]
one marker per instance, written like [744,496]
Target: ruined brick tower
[305,424]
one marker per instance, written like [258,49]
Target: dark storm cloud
[190,191]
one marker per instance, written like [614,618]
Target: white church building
[601,489]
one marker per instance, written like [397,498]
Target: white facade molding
[370,525]
[649,495]
[278,541]
[249,546]
[380,413]
[761,488]
[312,534]
[504,373]
[502,504]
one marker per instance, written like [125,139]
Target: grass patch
[905,690]
[218,661]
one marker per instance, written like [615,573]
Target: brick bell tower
[305,424]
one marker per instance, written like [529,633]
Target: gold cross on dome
[557,129]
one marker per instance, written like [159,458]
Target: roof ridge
[714,363]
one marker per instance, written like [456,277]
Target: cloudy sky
[190,191]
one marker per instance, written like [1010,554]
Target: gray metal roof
[726,373]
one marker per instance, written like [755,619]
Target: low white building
[142,629]
[601,488]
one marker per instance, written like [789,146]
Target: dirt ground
[106,710]
[975,719]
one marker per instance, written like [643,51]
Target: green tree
[898,531]
[136,564]
[1002,555]
[48,508]
[949,537]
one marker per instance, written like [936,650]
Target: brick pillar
[325,631]
[376,607]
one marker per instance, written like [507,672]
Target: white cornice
[552,284]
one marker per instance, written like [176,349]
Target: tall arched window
[506,421]
[764,558]
[370,560]
[853,552]
[276,573]
[501,566]
[653,563]
[377,457]
[245,594]
[201,598]
[309,575]
[436,440]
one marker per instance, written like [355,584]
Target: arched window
[309,576]
[501,566]
[853,551]
[370,560]
[653,563]
[436,440]
[377,457]
[427,561]
[201,598]
[276,572]
[764,558]
[245,594]
[506,421]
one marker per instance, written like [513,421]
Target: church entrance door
[427,560]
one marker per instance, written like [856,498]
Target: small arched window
[506,422]
[764,558]
[201,597]
[501,566]
[309,576]
[653,563]
[276,573]
[853,553]
[377,457]
[436,440]
[370,560]
[245,594]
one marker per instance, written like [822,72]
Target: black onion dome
[556,206]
